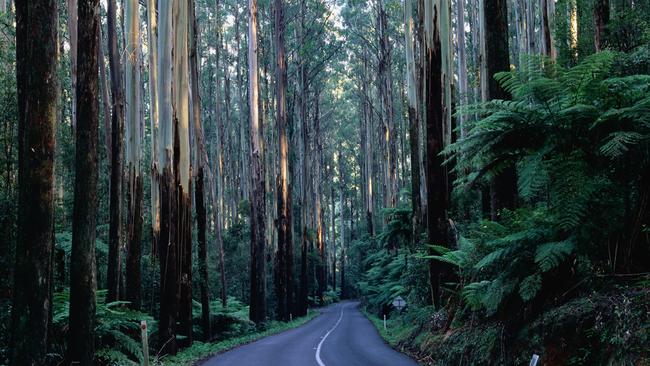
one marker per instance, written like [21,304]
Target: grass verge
[200,351]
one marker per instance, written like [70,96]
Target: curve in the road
[320,344]
[340,336]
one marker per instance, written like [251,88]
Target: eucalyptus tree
[133,152]
[202,164]
[257,312]
[117,134]
[83,281]
[284,280]
[181,118]
[436,177]
[168,246]
[37,82]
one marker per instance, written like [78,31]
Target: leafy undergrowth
[200,351]
[601,328]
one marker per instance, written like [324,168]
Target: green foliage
[567,132]
[117,329]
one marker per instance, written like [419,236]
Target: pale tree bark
[284,281]
[117,133]
[168,245]
[413,114]
[183,217]
[462,63]
[133,153]
[72,33]
[243,150]
[37,84]
[83,281]
[447,66]
[257,312]
[367,118]
[152,33]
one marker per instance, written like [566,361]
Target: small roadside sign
[399,303]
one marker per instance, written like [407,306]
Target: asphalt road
[341,335]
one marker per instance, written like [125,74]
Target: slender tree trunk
[202,165]
[37,83]
[117,132]
[342,221]
[133,152]
[83,282]
[547,42]
[152,32]
[414,131]
[72,33]
[304,261]
[386,91]
[333,237]
[436,173]
[285,247]
[257,311]
[219,221]
[103,84]
[367,117]
[244,155]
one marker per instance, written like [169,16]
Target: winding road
[340,336]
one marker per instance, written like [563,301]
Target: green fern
[551,255]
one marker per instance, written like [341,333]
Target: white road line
[320,345]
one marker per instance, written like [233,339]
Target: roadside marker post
[384,322]
[145,342]
[534,360]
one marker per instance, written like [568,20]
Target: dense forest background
[217,168]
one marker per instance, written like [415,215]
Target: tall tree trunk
[304,261]
[601,18]
[202,165]
[436,173]
[386,92]
[414,130]
[133,152]
[547,41]
[83,283]
[168,246]
[219,221]
[117,132]
[37,83]
[103,84]
[333,237]
[285,247]
[318,205]
[152,33]
[244,154]
[503,189]
[342,221]
[183,216]
[367,117]
[257,311]
[72,33]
